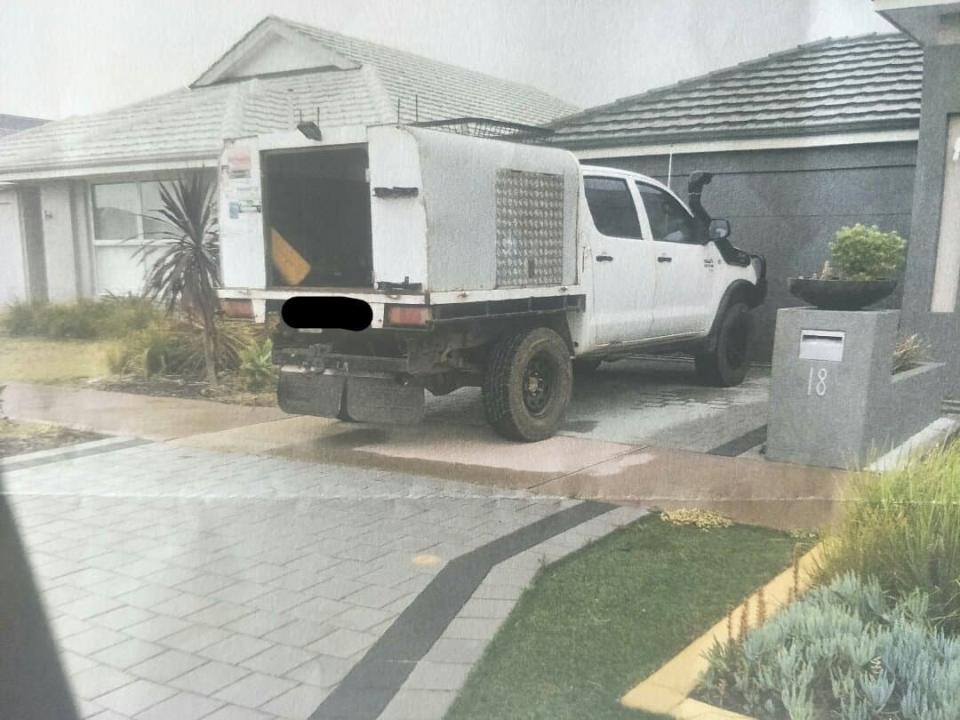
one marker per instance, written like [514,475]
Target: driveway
[641,401]
[189,583]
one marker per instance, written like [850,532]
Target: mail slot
[821,345]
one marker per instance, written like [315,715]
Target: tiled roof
[191,123]
[835,85]
[10,124]
[442,90]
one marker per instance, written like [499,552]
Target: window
[669,220]
[151,204]
[612,207]
[122,229]
[115,211]
[119,209]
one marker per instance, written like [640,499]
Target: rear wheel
[726,364]
[528,384]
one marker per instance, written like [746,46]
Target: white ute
[486,263]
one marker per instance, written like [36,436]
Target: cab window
[669,220]
[612,207]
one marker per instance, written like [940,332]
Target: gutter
[74,170]
[743,144]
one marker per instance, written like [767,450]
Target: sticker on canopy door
[242,198]
[239,162]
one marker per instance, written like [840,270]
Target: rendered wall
[941,98]
[788,204]
[848,409]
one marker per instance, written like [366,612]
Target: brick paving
[184,583]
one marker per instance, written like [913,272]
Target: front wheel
[528,384]
[726,365]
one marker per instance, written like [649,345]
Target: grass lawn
[599,621]
[38,360]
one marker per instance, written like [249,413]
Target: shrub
[156,349]
[110,317]
[175,347]
[866,253]
[903,527]
[909,352]
[842,651]
[20,318]
[256,365]
[123,314]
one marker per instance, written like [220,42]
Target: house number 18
[819,384]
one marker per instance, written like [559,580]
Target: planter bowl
[841,294]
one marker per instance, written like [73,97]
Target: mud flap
[363,399]
[383,400]
[301,393]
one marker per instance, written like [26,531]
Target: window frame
[630,193]
[134,241]
[686,212]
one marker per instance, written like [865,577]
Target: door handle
[664,258]
[604,258]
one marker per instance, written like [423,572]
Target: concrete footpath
[745,486]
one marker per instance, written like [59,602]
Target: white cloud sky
[61,57]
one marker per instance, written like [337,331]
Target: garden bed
[19,438]
[158,386]
[878,636]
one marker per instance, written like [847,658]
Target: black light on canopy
[310,128]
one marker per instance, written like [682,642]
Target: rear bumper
[363,398]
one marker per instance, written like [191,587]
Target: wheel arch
[554,321]
[738,291]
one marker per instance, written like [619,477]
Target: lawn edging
[667,691]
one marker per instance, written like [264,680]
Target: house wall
[788,204]
[941,98]
[13,275]
[59,242]
[31,225]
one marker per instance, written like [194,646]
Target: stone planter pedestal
[834,401]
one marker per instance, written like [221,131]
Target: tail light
[407,315]
[233,308]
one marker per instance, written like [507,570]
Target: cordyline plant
[185,270]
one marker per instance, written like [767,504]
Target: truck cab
[483,262]
[658,278]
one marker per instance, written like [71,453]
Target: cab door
[686,266]
[624,278]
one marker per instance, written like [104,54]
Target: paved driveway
[651,401]
[186,583]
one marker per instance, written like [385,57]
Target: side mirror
[719,229]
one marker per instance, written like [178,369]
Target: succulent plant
[843,650]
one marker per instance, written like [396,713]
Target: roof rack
[487,128]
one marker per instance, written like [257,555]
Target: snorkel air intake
[694,190]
